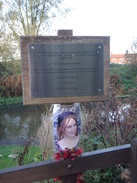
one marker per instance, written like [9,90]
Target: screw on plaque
[69,166]
[32,47]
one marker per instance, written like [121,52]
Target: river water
[20,122]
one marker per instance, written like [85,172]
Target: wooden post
[133,178]
[68,178]
[65,33]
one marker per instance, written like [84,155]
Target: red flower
[57,179]
[57,156]
[73,156]
[80,177]
[66,154]
[70,154]
[80,151]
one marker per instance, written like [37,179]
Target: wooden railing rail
[68,168]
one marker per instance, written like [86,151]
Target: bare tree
[31,17]
[26,18]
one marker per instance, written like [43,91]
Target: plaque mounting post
[65,33]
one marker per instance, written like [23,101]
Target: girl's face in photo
[71,128]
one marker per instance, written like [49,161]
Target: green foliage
[91,142]
[8,162]
[10,101]
[37,157]
[127,75]
[111,174]
[10,68]
[106,175]
[9,48]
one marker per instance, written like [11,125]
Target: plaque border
[25,40]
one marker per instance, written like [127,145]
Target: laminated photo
[67,126]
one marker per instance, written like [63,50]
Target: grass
[10,100]
[34,154]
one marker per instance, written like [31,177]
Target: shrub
[10,68]
[11,86]
[114,121]
[127,75]
[104,175]
[108,124]
[119,87]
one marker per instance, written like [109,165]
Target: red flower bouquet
[70,154]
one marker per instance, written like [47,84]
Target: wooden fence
[68,168]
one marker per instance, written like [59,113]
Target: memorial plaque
[66,69]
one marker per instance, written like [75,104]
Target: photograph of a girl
[67,129]
[67,126]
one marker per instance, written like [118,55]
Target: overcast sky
[114,18]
